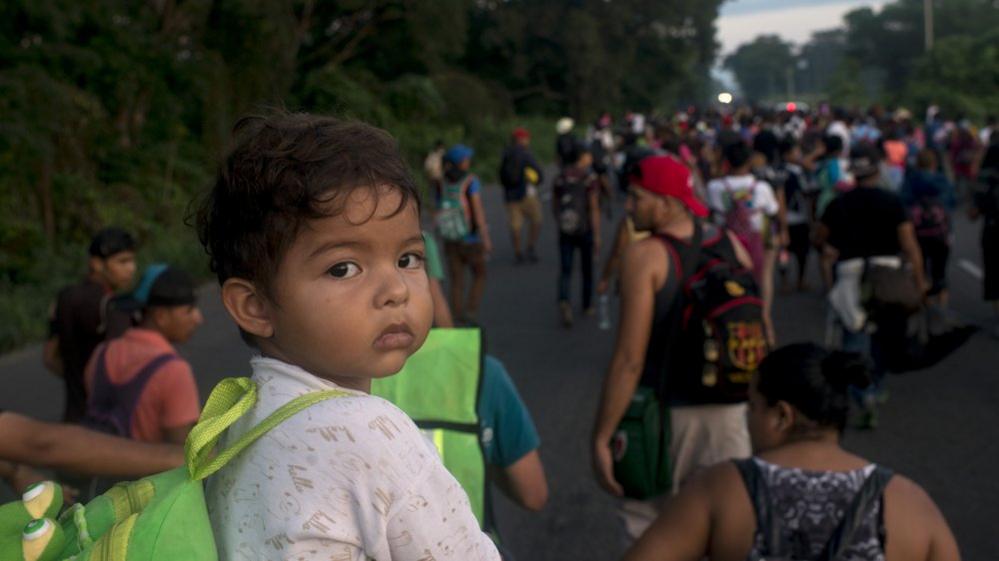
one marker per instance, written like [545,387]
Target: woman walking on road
[801,496]
[576,205]
[461,222]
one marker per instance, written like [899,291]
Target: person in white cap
[565,143]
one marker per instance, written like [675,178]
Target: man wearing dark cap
[662,201]
[83,314]
[520,175]
[137,385]
[866,225]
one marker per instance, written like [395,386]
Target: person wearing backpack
[138,386]
[565,142]
[797,194]
[690,334]
[867,229]
[747,207]
[576,208]
[461,223]
[930,198]
[801,496]
[520,174]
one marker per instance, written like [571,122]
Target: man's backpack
[572,206]
[511,171]
[721,338]
[453,216]
[929,217]
[111,406]
[158,518]
[565,146]
[739,220]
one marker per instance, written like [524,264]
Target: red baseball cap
[666,176]
[521,132]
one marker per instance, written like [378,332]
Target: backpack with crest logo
[721,338]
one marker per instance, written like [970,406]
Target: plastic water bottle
[603,310]
[783,260]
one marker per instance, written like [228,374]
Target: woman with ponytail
[801,496]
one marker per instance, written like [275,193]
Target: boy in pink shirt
[138,386]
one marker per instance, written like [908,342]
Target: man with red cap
[520,174]
[662,201]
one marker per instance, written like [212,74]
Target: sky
[794,20]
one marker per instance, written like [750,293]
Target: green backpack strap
[230,400]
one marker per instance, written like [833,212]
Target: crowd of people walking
[712,434]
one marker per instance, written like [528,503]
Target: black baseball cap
[864,160]
[162,285]
[111,241]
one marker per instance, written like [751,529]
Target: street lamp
[725,98]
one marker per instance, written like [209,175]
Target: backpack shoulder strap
[466,183]
[766,524]
[683,266]
[230,400]
[869,494]
[152,367]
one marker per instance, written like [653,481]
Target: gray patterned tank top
[816,515]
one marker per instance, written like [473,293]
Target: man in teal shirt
[509,438]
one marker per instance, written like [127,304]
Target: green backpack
[452,221]
[158,518]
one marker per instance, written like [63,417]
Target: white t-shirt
[764,202]
[348,479]
[842,130]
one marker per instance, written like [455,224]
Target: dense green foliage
[762,67]
[115,112]
[879,56]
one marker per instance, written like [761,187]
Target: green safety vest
[439,389]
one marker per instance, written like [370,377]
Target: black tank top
[667,369]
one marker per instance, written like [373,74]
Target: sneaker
[566,313]
[518,259]
[532,255]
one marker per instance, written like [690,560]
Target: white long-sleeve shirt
[348,479]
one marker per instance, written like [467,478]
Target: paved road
[939,427]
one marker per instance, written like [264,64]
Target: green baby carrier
[158,518]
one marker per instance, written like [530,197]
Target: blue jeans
[567,246]
[865,344]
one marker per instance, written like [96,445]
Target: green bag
[640,446]
[158,518]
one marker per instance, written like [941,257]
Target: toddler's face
[352,299]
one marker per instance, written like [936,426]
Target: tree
[960,75]
[763,67]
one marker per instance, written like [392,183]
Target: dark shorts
[936,254]
[464,254]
